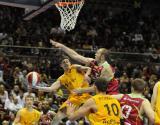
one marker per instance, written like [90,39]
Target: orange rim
[61,4]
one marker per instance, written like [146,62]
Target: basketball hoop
[69,11]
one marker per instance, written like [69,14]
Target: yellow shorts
[76,100]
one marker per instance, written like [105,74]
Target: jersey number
[127,109]
[112,108]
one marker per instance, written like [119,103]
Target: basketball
[33,78]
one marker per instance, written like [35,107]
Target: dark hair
[63,57]
[101,84]
[139,85]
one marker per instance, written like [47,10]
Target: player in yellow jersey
[101,109]
[99,65]
[27,115]
[156,102]
[74,77]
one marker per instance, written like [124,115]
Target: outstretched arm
[70,52]
[86,69]
[54,87]
[154,95]
[84,90]
[84,110]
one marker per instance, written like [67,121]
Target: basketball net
[69,11]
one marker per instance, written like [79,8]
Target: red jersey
[130,109]
[113,86]
[96,70]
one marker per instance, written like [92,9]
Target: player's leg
[58,117]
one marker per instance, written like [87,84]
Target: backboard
[32,7]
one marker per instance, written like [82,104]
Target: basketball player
[27,115]
[100,67]
[73,77]
[156,102]
[101,109]
[134,105]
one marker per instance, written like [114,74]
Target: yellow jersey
[108,111]
[29,117]
[74,79]
[157,106]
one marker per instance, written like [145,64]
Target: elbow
[152,119]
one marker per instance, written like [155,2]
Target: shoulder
[61,77]
[22,110]
[106,63]
[90,102]
[158,84]
[145,102]
[37,113]
[118,96]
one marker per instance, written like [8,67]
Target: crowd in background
[122,29]
[128,30]
[13,86]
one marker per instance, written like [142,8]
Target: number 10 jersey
[108,111]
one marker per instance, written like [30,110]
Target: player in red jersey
[134,105]
[100,67]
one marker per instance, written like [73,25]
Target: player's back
[108,111]
[130,105]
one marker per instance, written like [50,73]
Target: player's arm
[53,88]
[84,110]
[86,69]
[17,119]
[84,90]
[73,54]
[154,95]
[147,108]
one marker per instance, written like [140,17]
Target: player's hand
[56,44]
[71,108]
